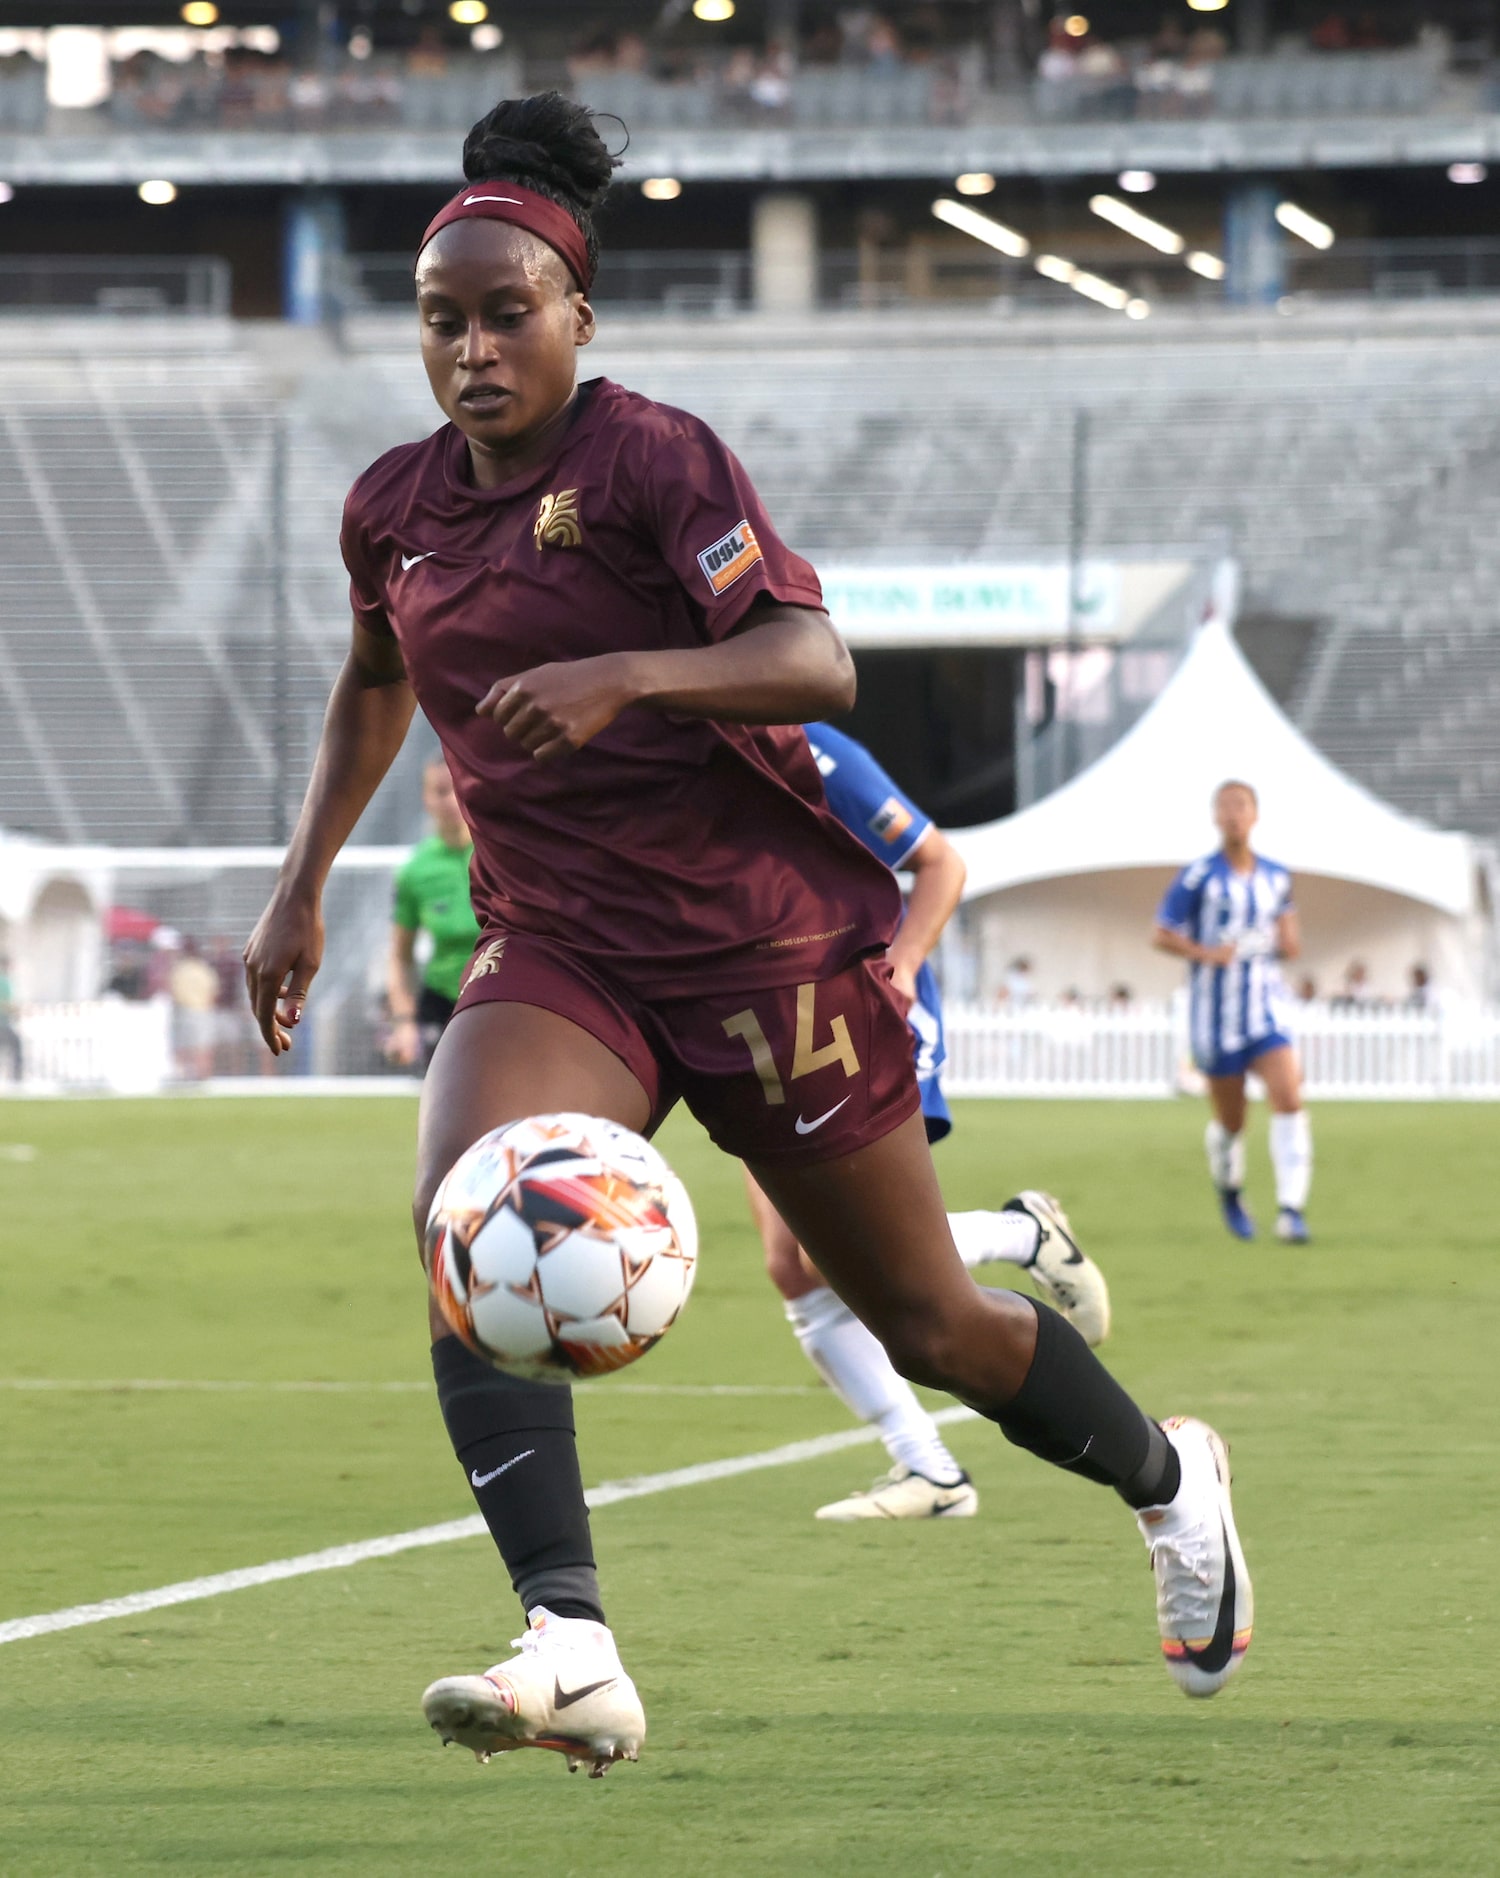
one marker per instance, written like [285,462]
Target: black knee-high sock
[1072,1412]
[516,1444]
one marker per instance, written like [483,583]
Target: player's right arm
[1176,918]
[368,712]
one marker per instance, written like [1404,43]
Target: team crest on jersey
[488,961]
[557,523]
[730,556]
[890,821]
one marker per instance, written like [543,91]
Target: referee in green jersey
[432,896]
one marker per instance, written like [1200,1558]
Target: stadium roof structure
[1145,803]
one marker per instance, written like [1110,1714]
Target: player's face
[1234,814]
[501,324]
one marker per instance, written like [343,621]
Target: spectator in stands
[1421,993]
[1120,998]
[1020,986]
[195,991]
[1354,994]
[1307,988]
[10,1037]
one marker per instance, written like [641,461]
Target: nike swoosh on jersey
[410,560]
[476,1479]
[806,1128]
[566,1699]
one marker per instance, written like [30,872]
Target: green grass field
[983,1697]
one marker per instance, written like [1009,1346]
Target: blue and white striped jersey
[1231,1006]
[892,827]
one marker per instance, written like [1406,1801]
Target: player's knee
[787,1267]
[925,1348]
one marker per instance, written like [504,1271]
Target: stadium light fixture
[974,183]
[1208,265]
[982,227]
[1137,309]
[1076,26]
[200,12]
[468,12]
[487,38]
[157,191]
[1155,234]
[713,10]
[1092,286]
[1137,182]
[1207,6]
[7,192]
[661,189]
[1467,172]
[1304,226]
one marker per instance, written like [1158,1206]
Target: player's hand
[904,982]
[1216,955]
[553,710]
[281,959]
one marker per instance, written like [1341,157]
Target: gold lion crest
[557,523]
[488,961]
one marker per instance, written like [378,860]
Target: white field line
[172,1385]
[337,1557]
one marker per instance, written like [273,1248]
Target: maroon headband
[524,208]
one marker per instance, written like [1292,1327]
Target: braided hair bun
[549,144]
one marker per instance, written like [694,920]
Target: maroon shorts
[793,1073]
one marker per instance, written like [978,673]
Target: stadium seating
[1354,479]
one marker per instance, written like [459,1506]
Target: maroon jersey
[674,853]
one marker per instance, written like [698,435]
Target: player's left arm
[780,665]
[938,875]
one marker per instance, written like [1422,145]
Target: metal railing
[121,286]
[1140,1050]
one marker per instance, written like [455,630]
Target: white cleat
[901,1494]
[1067,1278]
[1205,1608]
[565,1691]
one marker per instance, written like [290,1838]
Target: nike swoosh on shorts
[806,1128]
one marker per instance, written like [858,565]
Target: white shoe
[1204,1605]
[1067,1278]
[565,1691]
[901,1494]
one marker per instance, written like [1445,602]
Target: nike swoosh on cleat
[410,560]
[806,1128]
[476,1479]
[1217,1652]
[561,1699]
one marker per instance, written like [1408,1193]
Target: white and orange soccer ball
[561,1246]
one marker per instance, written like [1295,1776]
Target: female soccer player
[432,896]
[1231,916]
[1031,1230]
[618,653]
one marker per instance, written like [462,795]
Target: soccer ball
[561,1246]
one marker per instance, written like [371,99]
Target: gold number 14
[805,1058]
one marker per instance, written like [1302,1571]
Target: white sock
[990,1238]
[1226,1157]
[853,1362]
[1291,1156]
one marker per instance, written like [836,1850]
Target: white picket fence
[1138,1050]
[1141,1050]
[104,1044]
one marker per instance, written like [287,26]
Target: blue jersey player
[1230,915]
[1031,1230]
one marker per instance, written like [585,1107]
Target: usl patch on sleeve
[890,821]
[731,556]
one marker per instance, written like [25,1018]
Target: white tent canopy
[1071,880]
